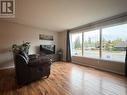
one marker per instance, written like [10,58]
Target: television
[47,49]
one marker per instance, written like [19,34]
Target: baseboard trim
[83,64]
[4,68]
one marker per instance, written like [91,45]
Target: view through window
[76,44]
[91,44]
[113,39]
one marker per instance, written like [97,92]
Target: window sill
[99,59]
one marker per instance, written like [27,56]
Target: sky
[115,32]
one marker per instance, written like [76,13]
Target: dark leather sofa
[30,68]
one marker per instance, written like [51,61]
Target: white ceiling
[59,15]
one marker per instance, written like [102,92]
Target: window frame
[71,43]
[100,39]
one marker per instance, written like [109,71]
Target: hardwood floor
[67,79]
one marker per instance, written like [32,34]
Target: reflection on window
[114,41]
[91,44]
[76,44]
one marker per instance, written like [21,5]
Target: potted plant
[23,47]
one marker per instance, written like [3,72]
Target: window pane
[91,44]
[114,41]
[76,44]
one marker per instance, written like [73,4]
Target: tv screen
[47,49]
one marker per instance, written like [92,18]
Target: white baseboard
[3,68]
[98,68]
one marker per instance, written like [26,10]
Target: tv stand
[53,57]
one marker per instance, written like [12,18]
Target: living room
[89,42]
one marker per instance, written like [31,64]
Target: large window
[106,43]
[114,41]
[91,44]
[76,44]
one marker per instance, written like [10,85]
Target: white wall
[62,43]
[12,33]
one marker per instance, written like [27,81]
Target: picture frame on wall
[45,37]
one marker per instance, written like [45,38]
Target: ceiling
[59,15]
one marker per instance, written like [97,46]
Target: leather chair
[30,68]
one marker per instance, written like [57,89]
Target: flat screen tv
[47,49]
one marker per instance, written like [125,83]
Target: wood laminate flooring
[66,79]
